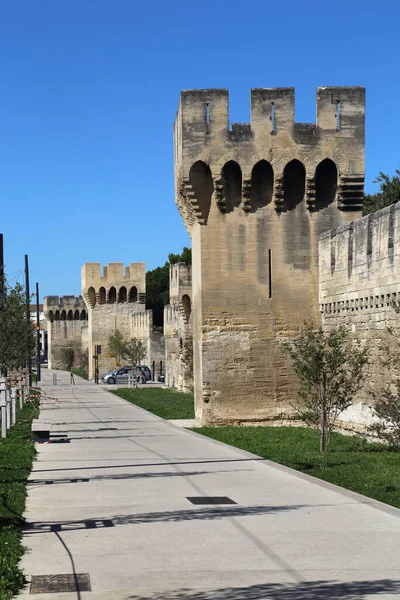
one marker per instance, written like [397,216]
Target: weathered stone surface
[359,287]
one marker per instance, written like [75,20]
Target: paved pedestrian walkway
[117,499]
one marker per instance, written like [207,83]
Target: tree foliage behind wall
[389,193]
[157,285]
[17,340]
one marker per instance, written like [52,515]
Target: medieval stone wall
[359,268]
[178,329]
[255,199]
[67,327]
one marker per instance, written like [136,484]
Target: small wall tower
[67,323]
[112,298]
[178,329]
[255,198]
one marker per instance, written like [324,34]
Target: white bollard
[8,400]
[13,405]
[20,394]
[3,406]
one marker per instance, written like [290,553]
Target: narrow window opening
[272,117]
[337,115]
[207,114]
[270,273]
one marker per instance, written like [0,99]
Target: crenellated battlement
[64,308]
[256,160]
[113,283]
[203,115]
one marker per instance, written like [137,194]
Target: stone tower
[112,299]
[178,329]
[67,327]
[255,198]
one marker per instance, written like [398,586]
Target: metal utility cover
[53,584]
[210,500]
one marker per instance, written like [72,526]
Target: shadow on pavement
[312,590]
[174,516]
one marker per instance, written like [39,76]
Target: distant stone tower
[67,327]
[112,300]
[178,329]
[255,199]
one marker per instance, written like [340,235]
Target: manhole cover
[210,500]
[52,584]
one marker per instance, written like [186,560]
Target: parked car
[121,375]
[161,378]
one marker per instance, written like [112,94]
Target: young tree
[134,352]
[387,396]
[17,340]
[116,345]
[330,369]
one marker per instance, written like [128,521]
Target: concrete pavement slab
[111,501]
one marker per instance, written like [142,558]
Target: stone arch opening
[83,315]
[133,294]
[102,295]
[112,295]
[64,315]
[51,316]
[122,294]
[70,316]
[57,315]
[92,297]
[187,307]
[232,179]
[201,180]
[76,315]
[326,178]
[262,185]
[294,184]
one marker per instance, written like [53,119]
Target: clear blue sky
[89,91]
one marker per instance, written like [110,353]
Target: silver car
[121,375]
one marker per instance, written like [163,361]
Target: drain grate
[53,584]
[210,500]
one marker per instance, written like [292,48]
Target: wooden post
[3,406]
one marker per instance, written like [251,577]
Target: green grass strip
[351,462]
[168,404]
[16,456]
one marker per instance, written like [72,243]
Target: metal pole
[37,335]
[28,315]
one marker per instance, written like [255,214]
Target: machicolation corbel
[246,194]
[220,194]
